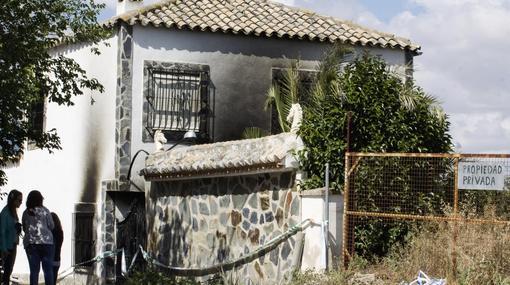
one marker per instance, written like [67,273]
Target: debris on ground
[424,279]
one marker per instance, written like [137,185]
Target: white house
[179,65]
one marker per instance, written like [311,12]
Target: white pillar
[312,207]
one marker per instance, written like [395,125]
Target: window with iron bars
[180,101]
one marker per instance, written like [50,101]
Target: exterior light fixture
[188,136]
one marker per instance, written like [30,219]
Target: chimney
[124,6]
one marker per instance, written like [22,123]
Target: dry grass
[482,253]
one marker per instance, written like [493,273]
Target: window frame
[84,248]
[202,104]
[41,126]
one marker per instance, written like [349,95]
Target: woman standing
[58,238]
[38,240]
[10,229]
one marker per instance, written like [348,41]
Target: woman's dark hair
[34,199]
[13,196]
[56,221]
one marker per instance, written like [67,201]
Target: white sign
[483,175]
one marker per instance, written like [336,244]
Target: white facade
[240,67]
[87,132]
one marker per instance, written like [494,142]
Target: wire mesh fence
[388,196]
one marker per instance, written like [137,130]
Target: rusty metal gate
[414,187]
[131,234]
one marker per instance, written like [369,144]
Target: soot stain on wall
[92,165]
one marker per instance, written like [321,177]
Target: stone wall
[204,222]
[106,269]
[124,104]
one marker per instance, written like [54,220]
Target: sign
[484,175]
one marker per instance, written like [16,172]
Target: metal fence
[407,189]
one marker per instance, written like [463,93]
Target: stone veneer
[106,268]
[204,222]
[124,104]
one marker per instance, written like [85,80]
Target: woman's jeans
[37,254]
[8,265]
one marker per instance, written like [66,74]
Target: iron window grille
[180,101]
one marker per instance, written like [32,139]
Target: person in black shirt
[58,238]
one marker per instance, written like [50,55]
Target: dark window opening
[180,101]
[83,239]
[37,118]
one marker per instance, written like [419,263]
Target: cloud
[287,2]
[111,7]
[108,11]
[350,10]
[465,59]
[465,64]
[491,130]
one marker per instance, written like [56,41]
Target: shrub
[388,115]
[151,276]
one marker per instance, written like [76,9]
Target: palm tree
[287,91]
[282,95]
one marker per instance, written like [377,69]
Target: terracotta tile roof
[241,156]
[259,18]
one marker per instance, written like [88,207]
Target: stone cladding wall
[204,222]
[124,105]
[106,268]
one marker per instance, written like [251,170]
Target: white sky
[465,61]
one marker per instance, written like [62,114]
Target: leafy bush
[151,276]
[388,115]
[310,277]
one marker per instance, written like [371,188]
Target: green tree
[31,75]
[388,115]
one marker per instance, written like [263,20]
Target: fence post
[346,237]
[326,216]
[348,135]
[455,215]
